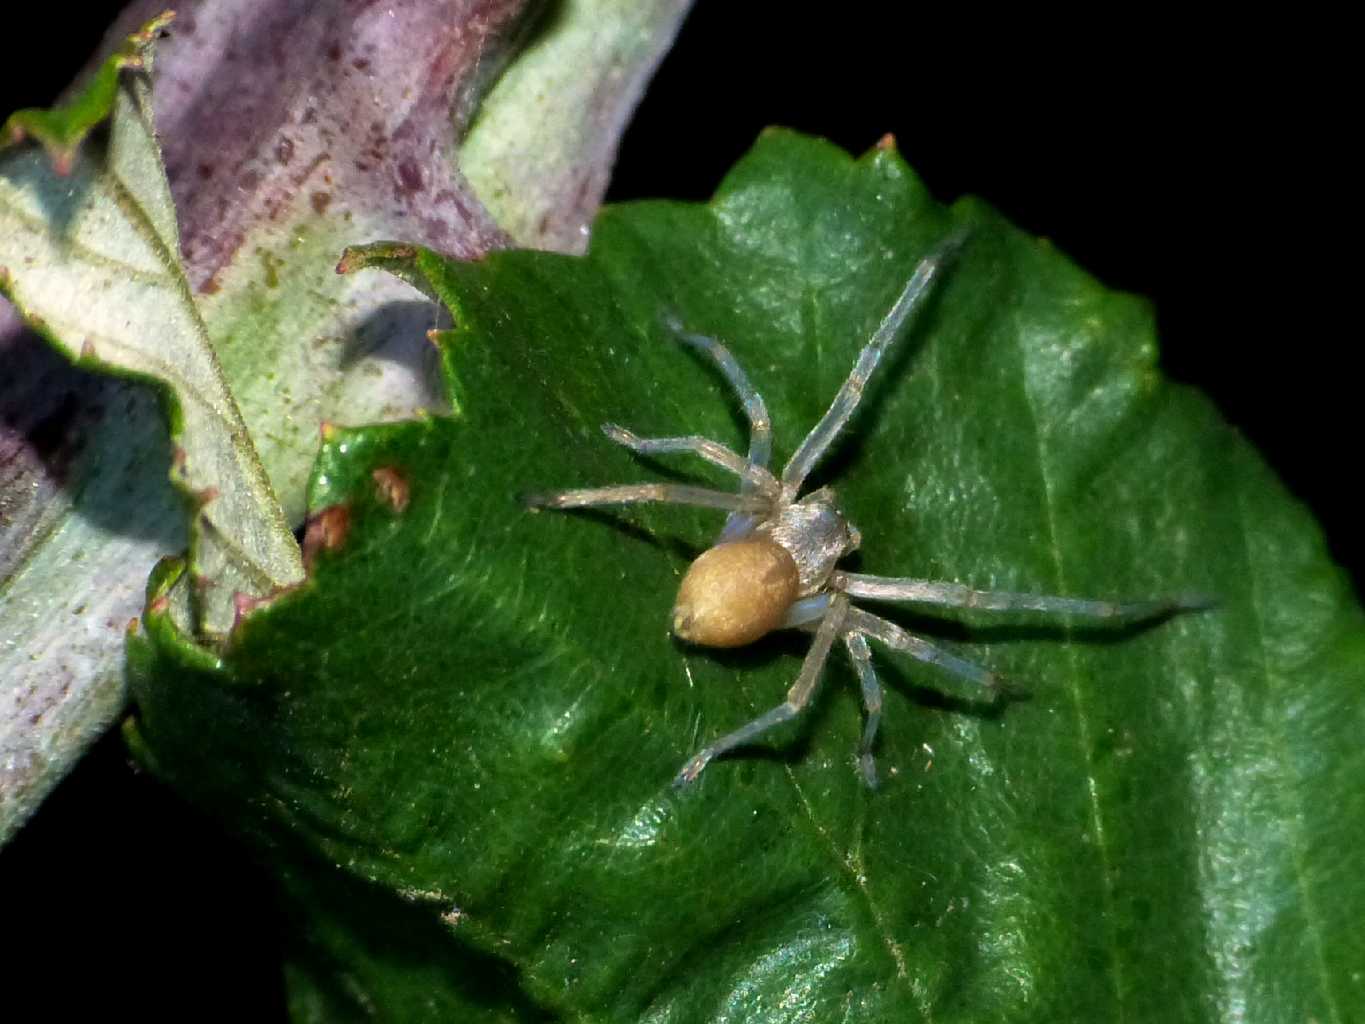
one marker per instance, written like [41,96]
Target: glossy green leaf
[456,740]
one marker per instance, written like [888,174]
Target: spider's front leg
[637,494]
[818,442]
[738,524]
[753,477]
[760,426]
[798,697]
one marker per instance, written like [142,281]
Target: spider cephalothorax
[774,564]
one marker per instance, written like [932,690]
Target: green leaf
[90,257]
[61,130]
[455,742]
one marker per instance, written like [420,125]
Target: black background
[1200,165]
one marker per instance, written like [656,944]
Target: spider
[775,562]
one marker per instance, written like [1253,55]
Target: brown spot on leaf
[178,458]
[244,605]
[393,488]
[326,531]
[410,176]
[320,201]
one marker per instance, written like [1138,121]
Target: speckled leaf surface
[90,258]
[456,741]
[289,129]
[568,95]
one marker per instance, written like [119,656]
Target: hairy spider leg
[635,494]
[956,595]
[738,524]
[861,656]
[755,478]
[845,403]
[797,697]
[859,621]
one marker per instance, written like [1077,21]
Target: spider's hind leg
[861,655]
[867,624]
[798,697]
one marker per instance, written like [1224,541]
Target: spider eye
[735,593]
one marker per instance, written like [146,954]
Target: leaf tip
[152,29]
[358,257]
[61,130]
[351,260]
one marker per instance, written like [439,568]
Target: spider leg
[797,697]
[861,655]
[755,477]
[760,426]
[859,621]
[635,494]
[738,524]
[956,595]
[824,433]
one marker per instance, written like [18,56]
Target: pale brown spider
[774,564]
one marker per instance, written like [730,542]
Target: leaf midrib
[1084,738]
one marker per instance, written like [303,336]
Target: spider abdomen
[735,593]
